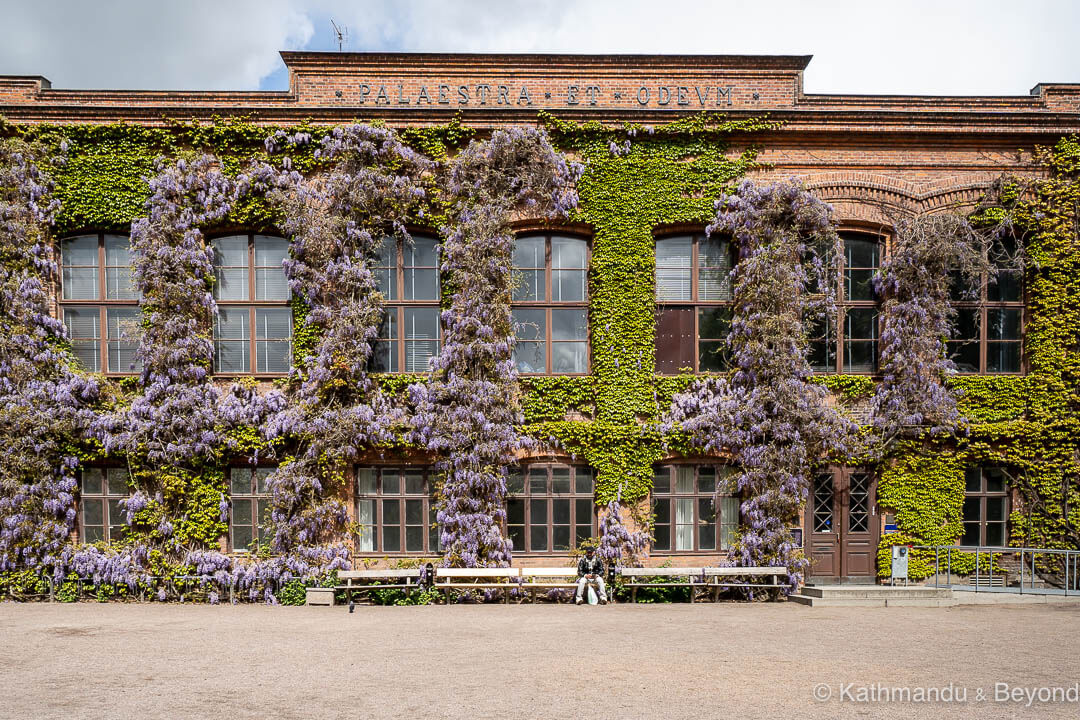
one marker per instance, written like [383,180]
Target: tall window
[989,322]
[985,506]
[694,297]
[551,508]
[685,511]
[250,498]
[408,277]
[99,305]
[253,326]
[100,493]
[550,312]
[849,343]
[395,510]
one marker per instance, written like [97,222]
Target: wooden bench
[505,579]
[367,580]
[533,579]
[711,579]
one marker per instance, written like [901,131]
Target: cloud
[176,44]
[914,46]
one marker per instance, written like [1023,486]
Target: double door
[842,524]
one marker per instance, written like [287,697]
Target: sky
[940,47]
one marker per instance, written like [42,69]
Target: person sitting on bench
[590,568]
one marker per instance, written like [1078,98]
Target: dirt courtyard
[534,661]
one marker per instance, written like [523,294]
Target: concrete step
[876,592]
[812,601]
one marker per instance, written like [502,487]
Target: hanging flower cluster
[932,255]
[338,222]
[618,546]
[468,412]
[775,424]
[43,401]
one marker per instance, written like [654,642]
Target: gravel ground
[529,661]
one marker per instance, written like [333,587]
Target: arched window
[988,335]
[408,277]
[550,507]
[694,297]
[250,499]
[99,305]
[101,489]
[684,505]
[253,326]
[849,342]
[551,316]
[395,510]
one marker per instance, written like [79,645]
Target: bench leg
[506,594]
[633,595]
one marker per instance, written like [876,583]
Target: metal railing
[1035,571]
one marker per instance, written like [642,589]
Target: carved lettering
[365,90]
[463,94]
[482,91]
[402,100]
[723,92]
[591,91]
[423,95]
[444,94]
[663,95]
[504,95]
[571,95]
[702,100]
[643,95]
[382,96]
[683,96]
[524,95]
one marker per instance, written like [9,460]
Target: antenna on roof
[341,32]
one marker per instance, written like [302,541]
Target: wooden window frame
[696,497]
[252,305]
[526,496]
[547,304]
[837,338]
[255,497]
[983,305]
[106,497]
[982,495]
[380,497]
[695,305]
[102,304]
[400,305]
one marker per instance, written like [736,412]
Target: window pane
[232,324]
[684,478]
[995,480]
[583,480]
[232,356]
[583,510]
[386,268]
[971,534]
[529,286]
[530,323]
[79,251]
[538,511]
[529,252]
[80,284]
[273,324]
[538,538]
[421,252]
[391,512]
[1003,357]
[515,481]
[972,509]
[560,512]
[569,325]
[231,263]
[861,355]
[821,353]
[706,525]
[568,285]
[123,328]
[421,337]
[414,538]
[995,509]
[365,518]
[673,268]
[964,346]
[414,512]
[569,357]
[91,481]
[662,540]
[973,479]
[995,534]
[270,284]
[729,520]
[365,481]
[93,512]
[262,476]
[662,510]
[515,512]
[270,251]
[706,481]
[391,482]
[861,252]
[530,357]
[117,481]
[560,537]
[560,481]
[421,284]
[662,479]
[714,270]
[231,284]
[242,515]
[118,268]
[568,253]
[391,538]
[82,323]
[538,481]
[1002,324]
[240,481]
[231,251]
[272,357]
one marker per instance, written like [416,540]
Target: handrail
[1069,580]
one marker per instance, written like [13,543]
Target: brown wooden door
[843,525]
